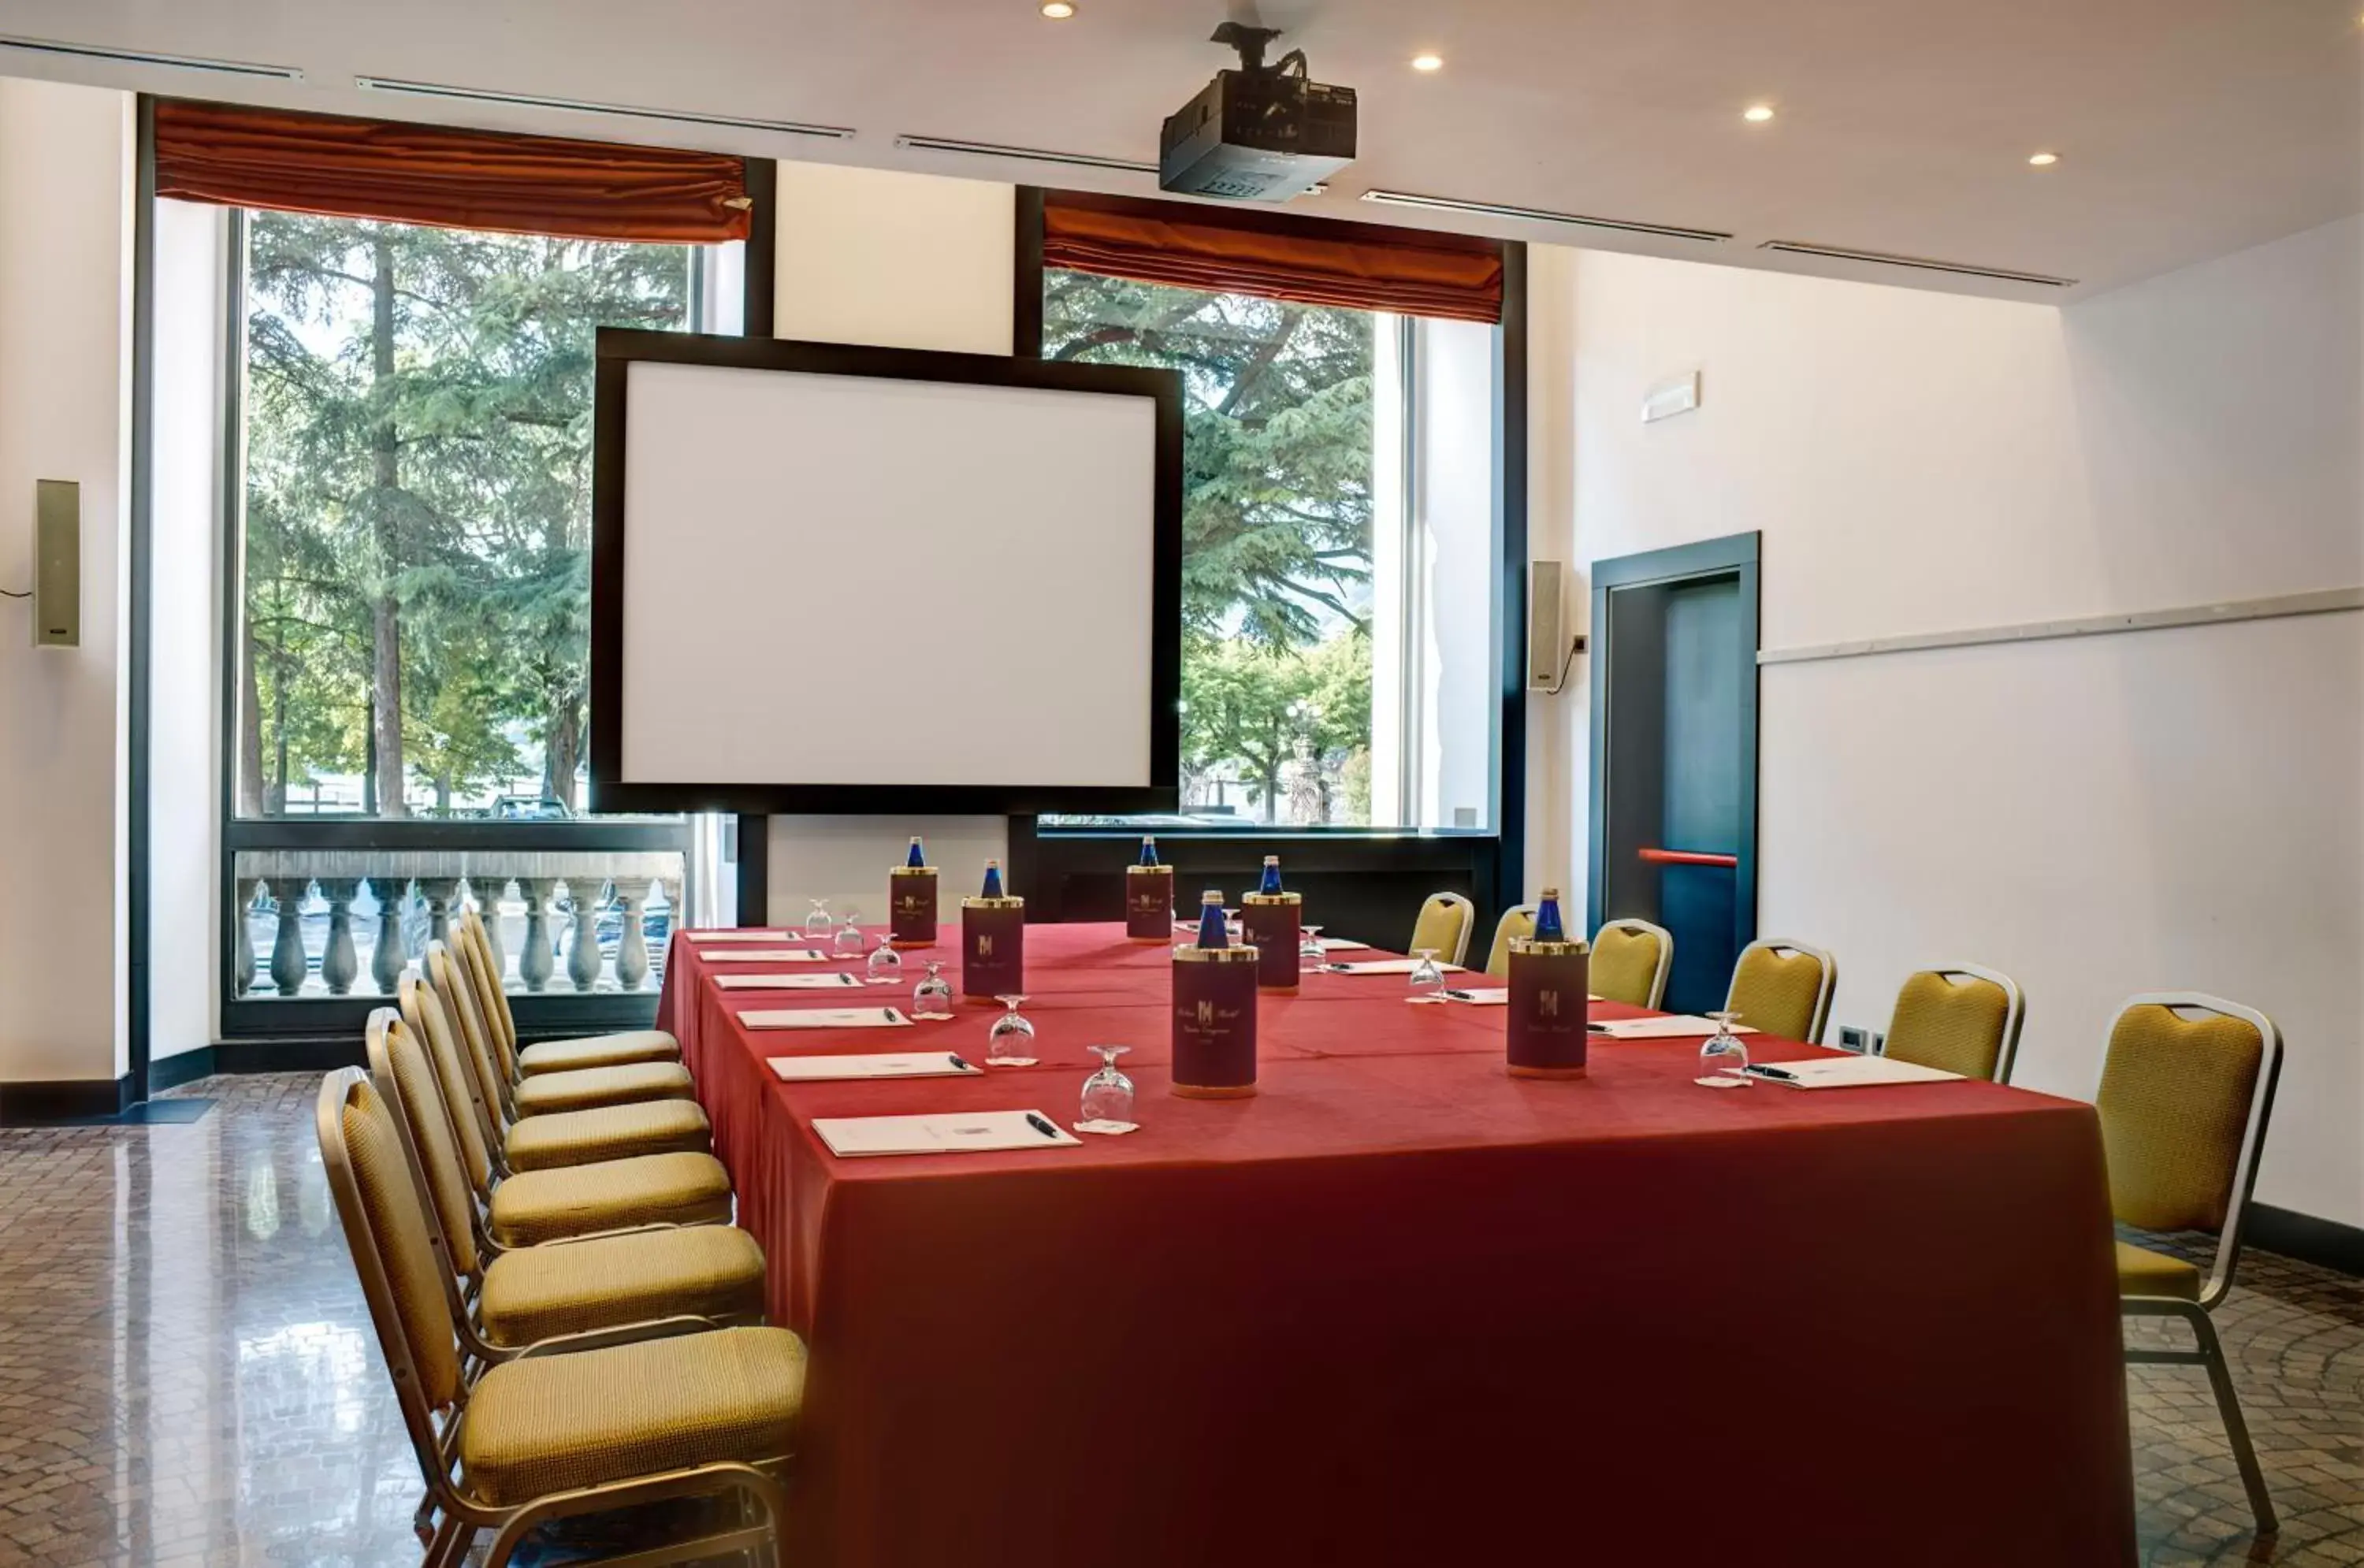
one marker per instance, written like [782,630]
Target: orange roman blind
[1360,267]
[235,155]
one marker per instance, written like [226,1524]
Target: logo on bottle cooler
[1547,1003]
[984,944]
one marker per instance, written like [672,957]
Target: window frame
[1494,856]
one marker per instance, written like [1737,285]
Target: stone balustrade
[322,908]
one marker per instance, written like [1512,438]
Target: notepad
[1340,944]
[1848,1072]
[890,1064]
[765,955]
[738,936]
[1391,966]
[826,1018]
[1482,997]
[835,981]
[1674,1026]
[952,1134]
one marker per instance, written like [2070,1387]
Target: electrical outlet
[1854,1037]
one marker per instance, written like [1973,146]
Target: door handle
[1688,858]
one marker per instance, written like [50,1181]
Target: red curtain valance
[1447,275]
[239,156]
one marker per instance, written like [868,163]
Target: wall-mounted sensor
[57,563]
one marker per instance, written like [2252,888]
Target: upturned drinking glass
[1308,947]
[1108,1093]
[817,923]
[1427,978]
[886,965]
[932,997]
[848,940]
[1010,1041]
[1723,1059]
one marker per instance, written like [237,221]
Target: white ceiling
[2186,128]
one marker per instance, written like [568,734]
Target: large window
[1338,572]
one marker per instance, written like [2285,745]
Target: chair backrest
[462,1082]
[402,1278]
[1783,988]
[1960,1017]
[1630,960]
[450,983]
[491,1000]
[405,1080]
[2187,1087]
[465,1000]
[1443,926]
[1517,924]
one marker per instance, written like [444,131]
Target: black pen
[1042,1126]
[1764,1070]
[958,1065]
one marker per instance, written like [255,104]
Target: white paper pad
[1482,997]
[764,955]
[744,936]
[1848,1072]
[953,1134]
[1340,944]
[1674,1026]
[826,1018]
[836,981]
[892,1064]
[1391,966]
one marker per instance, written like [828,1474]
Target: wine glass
[932,998]
[817,923]
[1107,1095]
[1723,1061]
[886,965]
[1010,1041]
[1427,978]
[1310,949]
[848,941]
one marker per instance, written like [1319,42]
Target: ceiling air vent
[150,57]
[1538,215]
[1920,263]
[1027,154]
[583,106]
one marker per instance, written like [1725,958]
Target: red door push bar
[1688,858]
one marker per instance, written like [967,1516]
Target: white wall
[908,261]
[2172,809]
[184,646]
[65,238]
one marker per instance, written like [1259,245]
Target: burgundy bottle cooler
[1149,903]
[911,906]
[1270,923]
[1214,1022]
[1548,1016]
[993,948]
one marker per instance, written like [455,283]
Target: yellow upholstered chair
[584,1423]
[1443,926]
[2187,1087]
[1960,1019]
[456,978]
[503,1303]
[523,1208]
[1517,924]
[472,944]
[1782,988]
[1630,960]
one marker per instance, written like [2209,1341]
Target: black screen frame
[620,348]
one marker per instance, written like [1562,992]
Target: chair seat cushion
[703,1270]
[609,1132]
[2144,1273]
[587,1086]
[533,1207]
[553,1423]
[598,1050]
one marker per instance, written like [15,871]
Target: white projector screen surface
[844,580]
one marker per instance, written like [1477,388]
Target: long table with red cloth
[1400,1307]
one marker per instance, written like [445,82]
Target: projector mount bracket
[1252,42]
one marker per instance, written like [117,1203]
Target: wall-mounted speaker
[57,563]
[1551,648]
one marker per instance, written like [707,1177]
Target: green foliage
[1249,705]
[418,469]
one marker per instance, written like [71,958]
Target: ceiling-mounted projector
[1263,133]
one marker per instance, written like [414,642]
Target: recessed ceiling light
[1058,10]
[1758,114]
[2044,159]
[1428,63]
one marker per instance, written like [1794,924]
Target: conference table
[1401,1308]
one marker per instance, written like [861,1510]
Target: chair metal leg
[2228,1405]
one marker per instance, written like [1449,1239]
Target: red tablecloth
[1403,1308]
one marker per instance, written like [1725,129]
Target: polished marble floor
[187,1374]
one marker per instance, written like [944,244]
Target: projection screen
[840,579]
